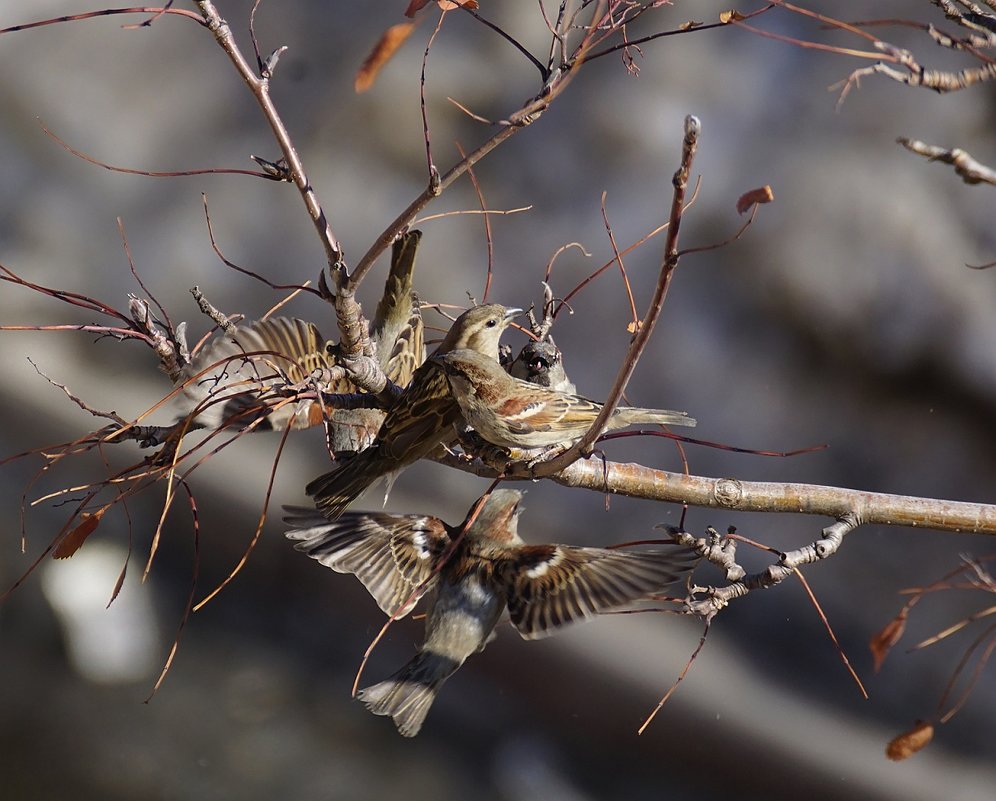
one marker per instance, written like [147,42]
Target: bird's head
[499,518]
[537,362]
[479,329]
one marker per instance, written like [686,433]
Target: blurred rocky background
[844,316]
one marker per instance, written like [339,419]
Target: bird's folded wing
[408,351]
[552,413]
[420,417]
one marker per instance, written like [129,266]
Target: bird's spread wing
[230,376]
[549,586]
[392,555]
[297,341]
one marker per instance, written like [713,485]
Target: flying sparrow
[513,413]
[421,418]
[470,579]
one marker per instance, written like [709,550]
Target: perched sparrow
[396,329]
[397,332]
[513,413]
[244,371]
[420,419]
[541,363]
[544,586]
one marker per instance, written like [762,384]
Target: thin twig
[646,327]
[260,88]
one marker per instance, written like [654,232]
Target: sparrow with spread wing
[471,579]
[233,380]
[513,413]
[420,419]
[237,379]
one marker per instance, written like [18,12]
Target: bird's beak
[511,314]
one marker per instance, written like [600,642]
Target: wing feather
[549,586]
[392,555]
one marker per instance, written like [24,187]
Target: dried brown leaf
[415,6]
[446,5]
[690,25]
[763,194]
[118,584]
[890,634]
[731,16]
[74,540]
[382,52]
[909,742]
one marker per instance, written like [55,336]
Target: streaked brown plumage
[420,419]
[512,413]
[543,586]
[396,329]
[242,373]
[397,332]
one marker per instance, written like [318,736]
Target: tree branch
[646,326]
[260,87]
[716,598]
[638,481]
[970,170]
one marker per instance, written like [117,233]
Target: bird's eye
[491,323]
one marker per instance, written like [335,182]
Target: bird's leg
[474,445]
[547,454]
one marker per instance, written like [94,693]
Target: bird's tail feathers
[632,415]
[336,490]
[407,695]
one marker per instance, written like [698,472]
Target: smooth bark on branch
[638,481]
[260,87]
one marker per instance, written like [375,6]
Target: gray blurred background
[845,316]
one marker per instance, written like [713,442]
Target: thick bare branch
[638,481]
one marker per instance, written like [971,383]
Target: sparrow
[541,362]
[513,413]
[236,379]
[470,578]
[420,419]
[398,334]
